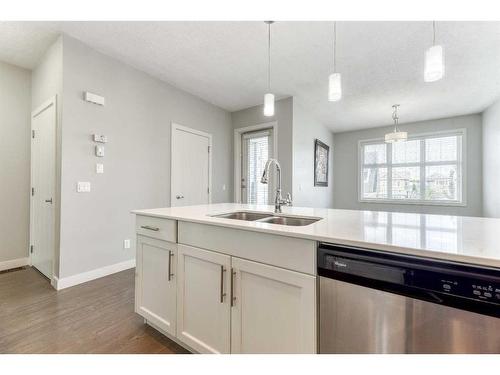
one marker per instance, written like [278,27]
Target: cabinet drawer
[163,229]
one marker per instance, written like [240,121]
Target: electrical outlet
[99,168]
[126,244]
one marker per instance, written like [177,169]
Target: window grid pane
[422,169]
[258,152]
[375,154]
[406,183]
[441,182]
[406,152]
[375,183]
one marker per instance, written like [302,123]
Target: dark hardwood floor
[95,317]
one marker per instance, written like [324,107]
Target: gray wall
[284,117]
[491,161]
[47,82]
[15,125]
[137,120]
[305,130]
[346,166]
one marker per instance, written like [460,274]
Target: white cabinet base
[274,310]
[203,311]
[155,290]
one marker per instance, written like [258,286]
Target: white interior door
[256,149]
[43,179]
[191,166]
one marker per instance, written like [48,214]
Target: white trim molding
[14,263]
[237,151]
[83,277]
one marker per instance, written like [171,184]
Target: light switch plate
[126,244]
[99,151]
[99,168]
[83,187]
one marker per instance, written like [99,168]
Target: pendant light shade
[335,79]
[334,87]
[434,64]
[269,104]
[396,135]
[269,97]
[434,60]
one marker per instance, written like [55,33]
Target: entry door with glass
[256,150]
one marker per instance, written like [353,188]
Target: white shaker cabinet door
[203,310]
[274,310]
[155,298]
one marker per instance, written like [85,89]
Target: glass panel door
[256,150]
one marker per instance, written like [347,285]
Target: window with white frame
[424,169]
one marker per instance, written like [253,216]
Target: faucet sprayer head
[265,174]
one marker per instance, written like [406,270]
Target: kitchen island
[223,285]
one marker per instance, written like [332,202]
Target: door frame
[52,101]
[238,147]
[176,126]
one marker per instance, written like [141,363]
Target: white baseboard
[14,263]
[66,282]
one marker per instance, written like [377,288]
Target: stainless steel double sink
[264,217]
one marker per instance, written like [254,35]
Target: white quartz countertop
[470,240]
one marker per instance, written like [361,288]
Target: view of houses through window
[422,169]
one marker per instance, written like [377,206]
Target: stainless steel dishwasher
[380,302]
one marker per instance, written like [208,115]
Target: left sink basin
[242,215]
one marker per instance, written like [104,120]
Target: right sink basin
[288,220]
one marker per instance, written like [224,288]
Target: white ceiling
[225,63]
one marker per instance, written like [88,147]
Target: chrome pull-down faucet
[278,198]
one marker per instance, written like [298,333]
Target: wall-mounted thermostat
[93,98]
[99,151]
[101,138]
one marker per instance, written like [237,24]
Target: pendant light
[335,79]
[434,60]
[396,135]
[269,97]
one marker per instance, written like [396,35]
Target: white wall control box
[100,138]
[99,168]
[99,151]
[83,187]
[93,98]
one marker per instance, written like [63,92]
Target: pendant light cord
[395,117]
[269,57]
[433,33]
[334,46]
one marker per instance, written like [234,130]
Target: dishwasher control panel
[468,287]
[457,284]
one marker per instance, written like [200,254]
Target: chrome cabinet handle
[48,200]
[222,294]
[233,298]
[170,274]
[156,229]
[179,196]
